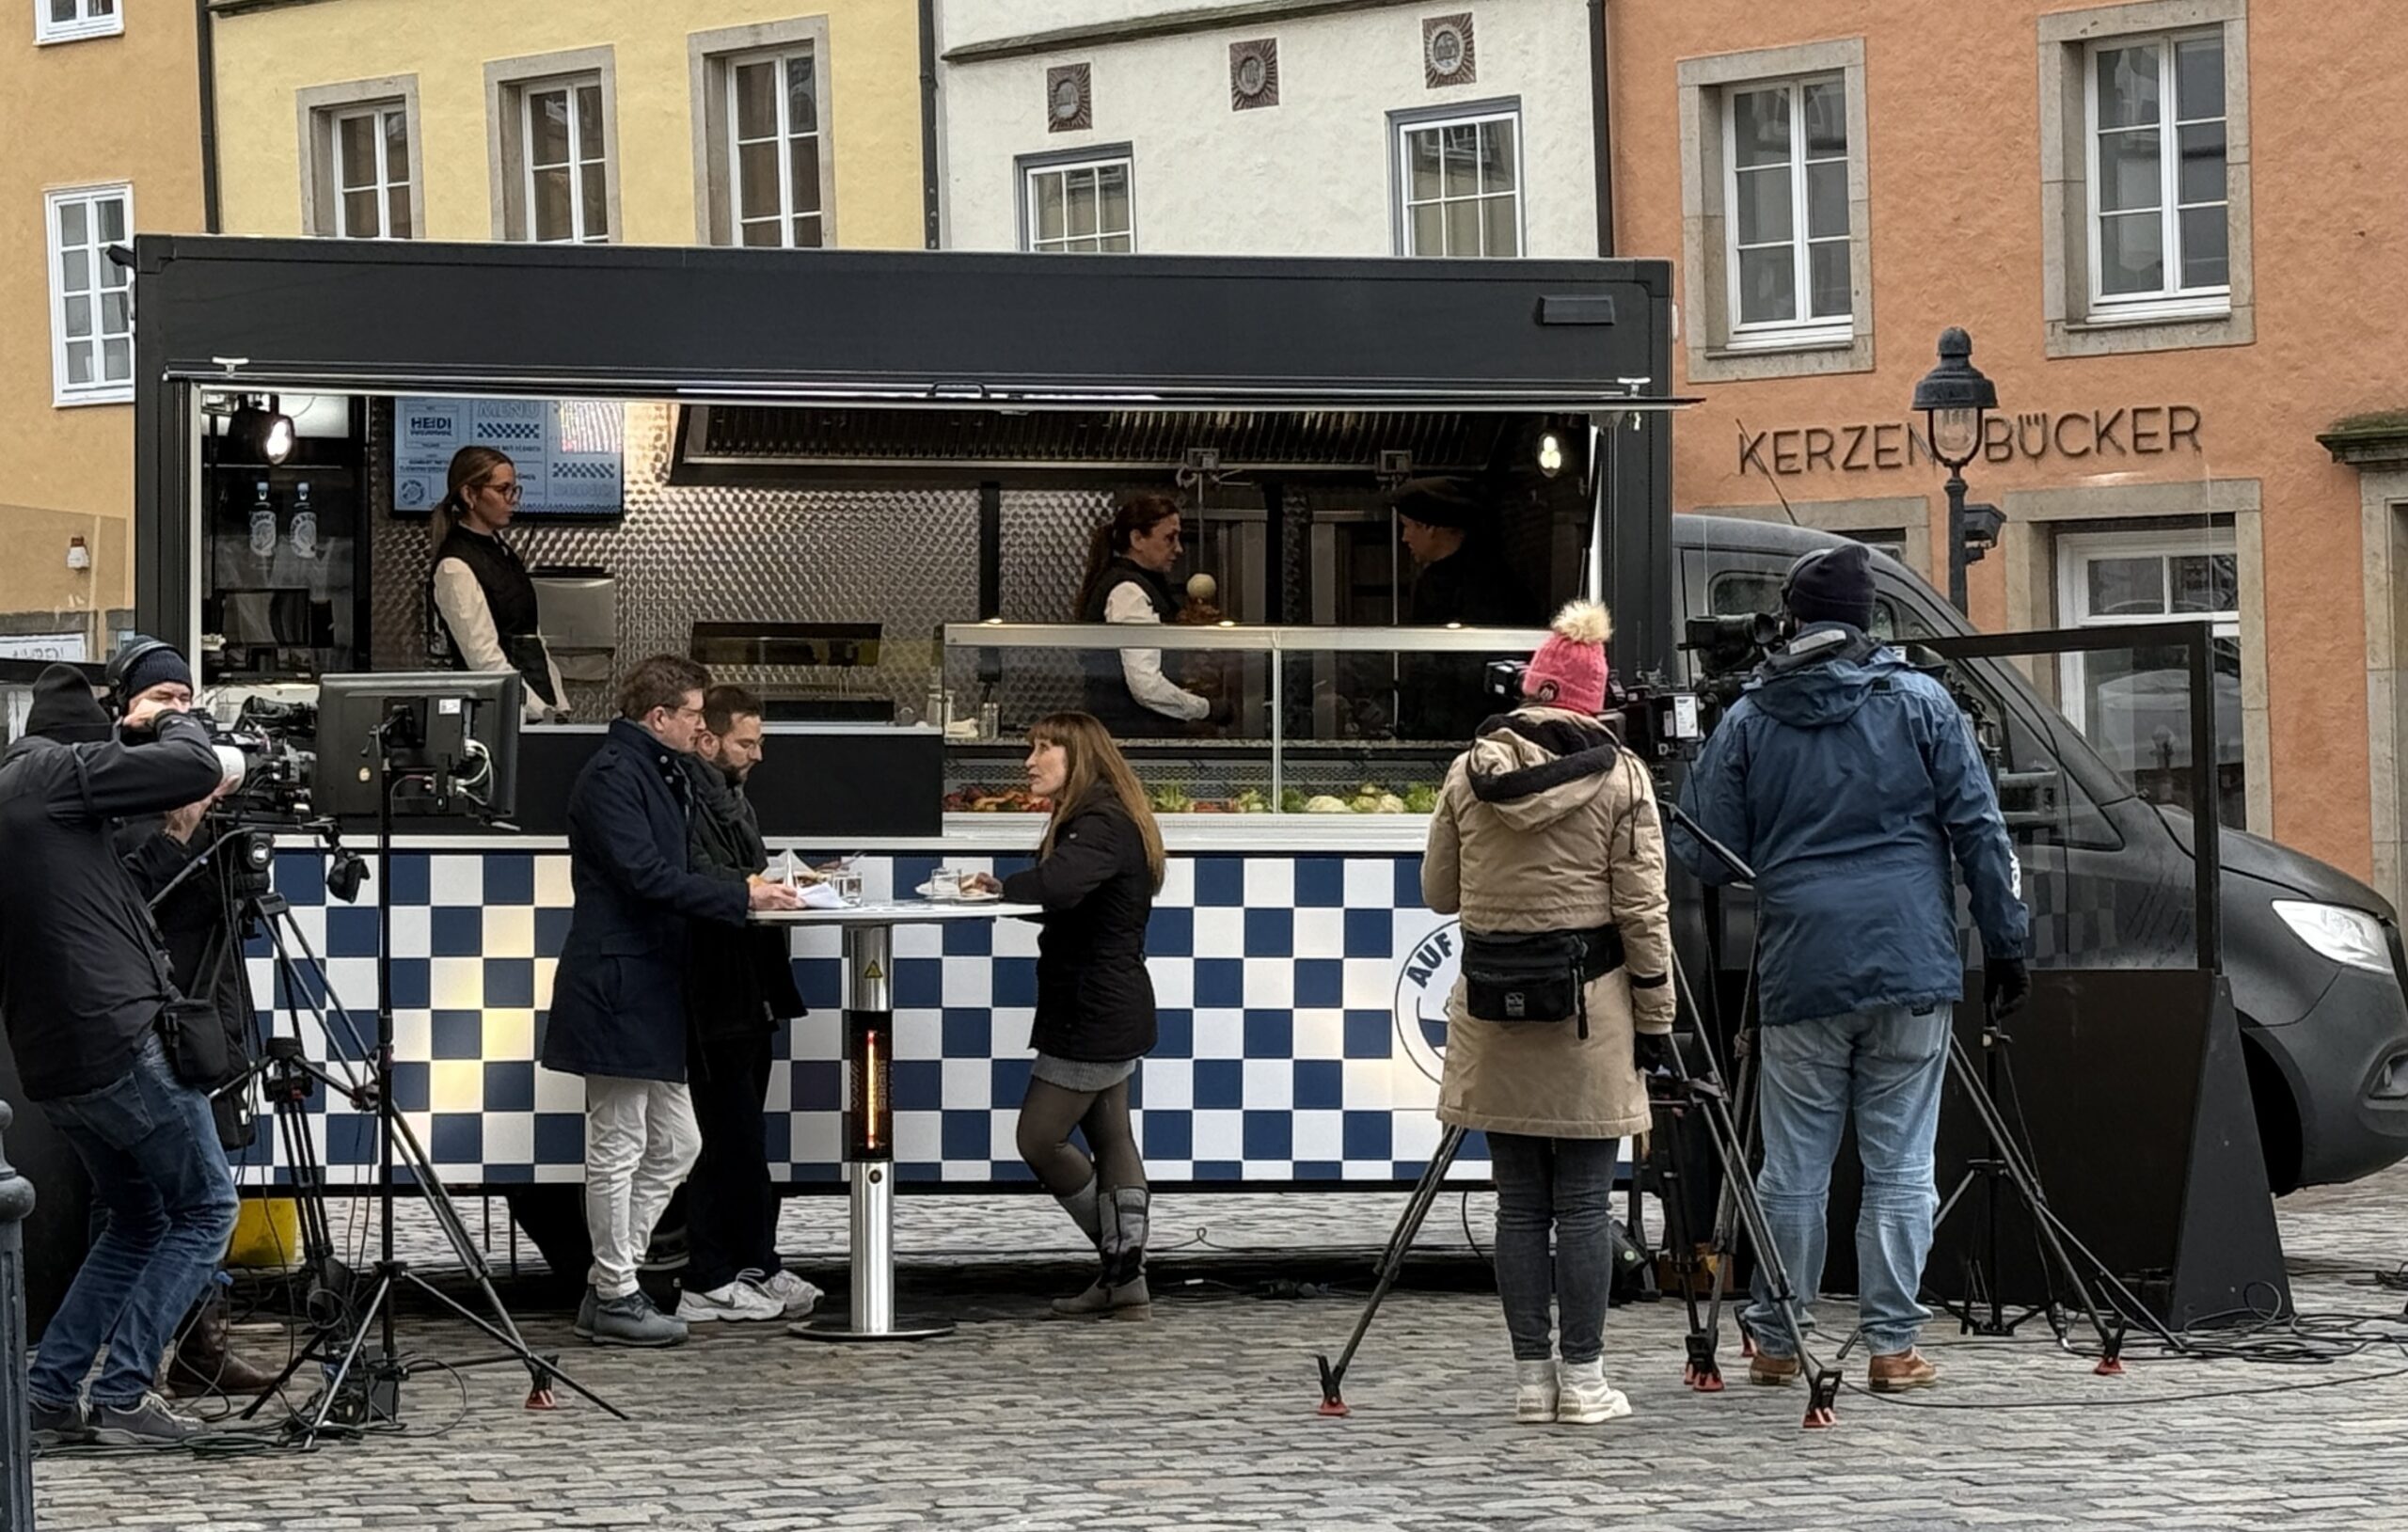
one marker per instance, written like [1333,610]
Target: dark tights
[1047,1115]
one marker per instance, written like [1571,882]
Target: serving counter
[1299,980]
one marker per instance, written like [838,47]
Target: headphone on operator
[121,665]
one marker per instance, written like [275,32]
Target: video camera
[277,771]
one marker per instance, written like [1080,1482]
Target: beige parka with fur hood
[1546,823]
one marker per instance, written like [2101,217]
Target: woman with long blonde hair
[1096,872]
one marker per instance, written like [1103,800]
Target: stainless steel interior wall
[906,559]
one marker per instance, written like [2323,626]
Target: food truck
[863,486]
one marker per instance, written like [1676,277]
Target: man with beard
[740,986]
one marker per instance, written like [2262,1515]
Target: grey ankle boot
[1086,1213]
[1119,1292]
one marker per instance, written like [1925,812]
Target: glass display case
[1225,718]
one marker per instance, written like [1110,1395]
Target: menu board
[570,453]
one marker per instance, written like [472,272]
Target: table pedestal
[869,1145]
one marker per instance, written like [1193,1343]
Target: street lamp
[1953,397]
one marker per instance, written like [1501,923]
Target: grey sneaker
[583,1328]
[633,1322]
[59,1425]
[150,1423]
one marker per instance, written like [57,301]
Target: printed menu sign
[571,454]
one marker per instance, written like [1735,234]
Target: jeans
[1887,1064]
[730,1209]
[164,1207]
[1567,1183]
[640,1140]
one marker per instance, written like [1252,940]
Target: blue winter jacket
[1847,778]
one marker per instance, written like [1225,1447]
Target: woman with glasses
[482,603]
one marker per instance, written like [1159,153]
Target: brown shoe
[1900,1371]
[202,1367]
[1773,1371]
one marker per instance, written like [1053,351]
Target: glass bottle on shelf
[263,534]
[304,529]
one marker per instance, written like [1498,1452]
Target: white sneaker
[1534,1392]
[795,1297]
[739,1302]
[1586,1398]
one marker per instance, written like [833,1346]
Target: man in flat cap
[1460,576]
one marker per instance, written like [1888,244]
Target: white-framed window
[774,196]
[565,142]
[72,20]
[2133,704]
[1080,207]
[370,179]
[1459,184]
[1786,168]
[91,297]
[2160,226]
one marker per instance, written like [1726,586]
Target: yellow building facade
[702,122]
[100,133]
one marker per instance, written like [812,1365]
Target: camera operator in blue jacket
[1848,780]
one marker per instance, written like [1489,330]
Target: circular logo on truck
[1423,982]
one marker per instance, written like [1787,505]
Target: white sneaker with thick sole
[795,1297]
[1585,1398]
[1534,1392]
[739,1302]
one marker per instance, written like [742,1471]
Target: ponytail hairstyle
[1092,758]
[471,467]
[1139,513]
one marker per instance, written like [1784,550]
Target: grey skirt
[1082,1074]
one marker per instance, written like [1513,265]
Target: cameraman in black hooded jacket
[176,859]
[85,990]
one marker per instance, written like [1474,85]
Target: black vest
[509,599]
[1108,685]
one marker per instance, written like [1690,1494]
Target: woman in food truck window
[1127,580]
[483,600]
[1096,872]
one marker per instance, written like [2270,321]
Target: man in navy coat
[618,1013]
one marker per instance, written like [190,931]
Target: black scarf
[1582,748]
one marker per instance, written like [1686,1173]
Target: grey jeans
[1565,1184]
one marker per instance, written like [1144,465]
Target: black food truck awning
[908,330]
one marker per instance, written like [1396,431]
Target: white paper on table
[819,896]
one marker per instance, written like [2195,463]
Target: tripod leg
[1823,1383]
[545,1369]
[1701,1373]
[1417,1208]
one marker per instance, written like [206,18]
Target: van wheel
[2278,1133]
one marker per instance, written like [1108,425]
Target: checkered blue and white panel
[1298,998]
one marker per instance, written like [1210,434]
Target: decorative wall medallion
[1447,55]
[1070,98]
[1254,74]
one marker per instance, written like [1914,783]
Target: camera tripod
[361,1387]
[2008,1163]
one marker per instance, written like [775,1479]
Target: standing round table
[869,1106]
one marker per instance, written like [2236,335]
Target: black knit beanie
[1833,585]
[157,668]
[65,709]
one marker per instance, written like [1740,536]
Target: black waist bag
[194,1040]
[1536,975]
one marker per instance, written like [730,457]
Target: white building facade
[1270,127]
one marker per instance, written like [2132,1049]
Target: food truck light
[1550,454]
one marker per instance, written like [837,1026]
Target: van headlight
[2349,937]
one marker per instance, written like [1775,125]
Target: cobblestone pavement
[1205,1417]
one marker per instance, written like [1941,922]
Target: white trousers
[640,1139]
